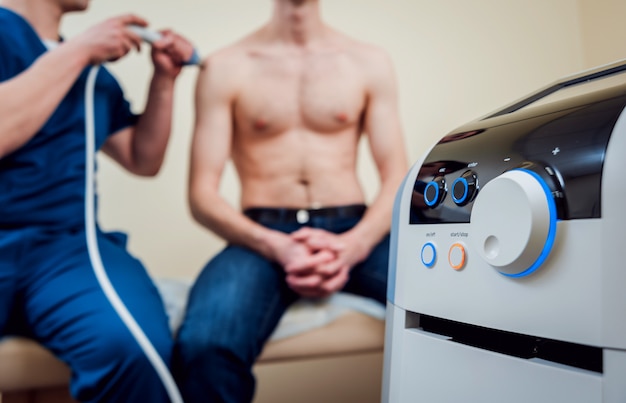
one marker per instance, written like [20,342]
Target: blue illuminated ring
[430,263]
[465,190]
[547,246]
[431,203]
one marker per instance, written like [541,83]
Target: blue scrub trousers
[235,305]
[48,292]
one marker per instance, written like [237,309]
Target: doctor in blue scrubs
[48,290]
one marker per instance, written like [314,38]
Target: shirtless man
[288,103]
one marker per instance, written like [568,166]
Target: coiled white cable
[94,252]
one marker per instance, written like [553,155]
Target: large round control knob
[513,222]
[464,188]
[435,192]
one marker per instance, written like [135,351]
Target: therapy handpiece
[151,36]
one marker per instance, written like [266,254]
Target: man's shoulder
[372,61]
[8,17]
[365,52]
[13,25]
[226,55]
[226,68]
[235,51]
[19,43]
[230,58]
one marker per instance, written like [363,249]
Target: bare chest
[323,94]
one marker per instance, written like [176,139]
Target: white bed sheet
[305,314]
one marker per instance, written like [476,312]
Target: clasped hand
[321,261]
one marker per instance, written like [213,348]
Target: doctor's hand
[109,40]
[170,53]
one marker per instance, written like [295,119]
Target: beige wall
[604,31]
[456,60]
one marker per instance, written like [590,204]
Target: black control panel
[563,141]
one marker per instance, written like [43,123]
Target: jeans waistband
[302,216]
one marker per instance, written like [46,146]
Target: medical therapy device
[151,36]
[506,277]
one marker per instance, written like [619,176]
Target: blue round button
[429,254]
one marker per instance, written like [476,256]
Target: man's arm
[29,99]
[386,142]
[141,148]
[210,151]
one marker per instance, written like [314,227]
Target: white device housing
[510,287]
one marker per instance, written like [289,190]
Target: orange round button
[456,256]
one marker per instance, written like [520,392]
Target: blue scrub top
[43,182]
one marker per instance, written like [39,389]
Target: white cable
[94,252]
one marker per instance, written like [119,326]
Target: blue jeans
[48,292]
[235,305]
